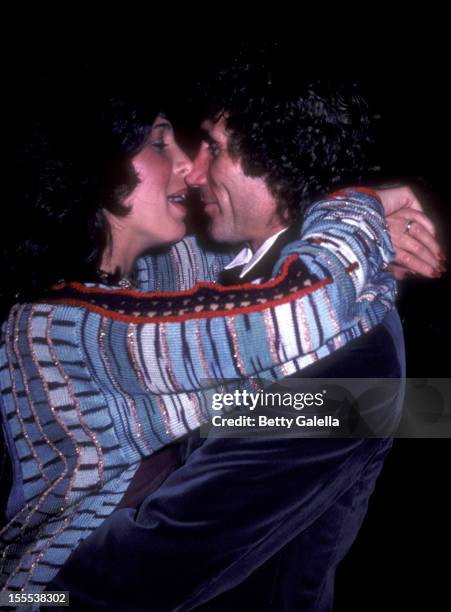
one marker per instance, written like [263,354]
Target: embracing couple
[106,348]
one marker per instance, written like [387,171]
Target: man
[238,503]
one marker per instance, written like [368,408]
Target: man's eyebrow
[206,136]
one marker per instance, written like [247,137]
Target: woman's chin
[175,236]
[168,234]
[180,232]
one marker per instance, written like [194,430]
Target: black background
[400,557]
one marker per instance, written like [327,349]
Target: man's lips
[211,207]
[209,202]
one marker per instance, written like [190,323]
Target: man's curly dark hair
[64,167]
[305,137]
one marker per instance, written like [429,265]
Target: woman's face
[158,202]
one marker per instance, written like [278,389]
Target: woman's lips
[179,197]
[178,200]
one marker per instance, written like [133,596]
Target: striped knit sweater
[94,379]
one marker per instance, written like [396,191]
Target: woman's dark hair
[306,137]
[71,158]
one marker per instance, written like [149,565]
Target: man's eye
[214,149]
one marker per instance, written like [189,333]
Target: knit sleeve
[181,267]
[329,288]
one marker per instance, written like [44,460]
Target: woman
[96,376]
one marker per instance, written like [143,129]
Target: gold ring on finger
[408,226]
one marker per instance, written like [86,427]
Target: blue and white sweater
[95,379]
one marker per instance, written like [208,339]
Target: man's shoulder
[264,268]
[378,353]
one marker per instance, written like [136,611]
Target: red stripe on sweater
[125,318]
[80,288]
[341,193]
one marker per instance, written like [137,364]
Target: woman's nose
[184,165]
[198,174]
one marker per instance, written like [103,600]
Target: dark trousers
[230,508]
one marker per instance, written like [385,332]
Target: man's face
[240,208]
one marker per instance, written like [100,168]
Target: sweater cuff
[346,190]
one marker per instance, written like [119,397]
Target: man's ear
[285,216]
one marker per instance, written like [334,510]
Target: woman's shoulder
[182,265]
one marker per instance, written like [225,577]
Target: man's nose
[198,174]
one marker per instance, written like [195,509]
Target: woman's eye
[160,145]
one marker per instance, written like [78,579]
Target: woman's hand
[413,235]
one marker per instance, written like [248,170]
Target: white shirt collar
[247,259]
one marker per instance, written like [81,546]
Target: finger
[399,272]
[420,254]
[423,246]
[409,214]
[415,264]
[418,241]
[398,226]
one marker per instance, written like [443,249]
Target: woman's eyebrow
[163,125]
